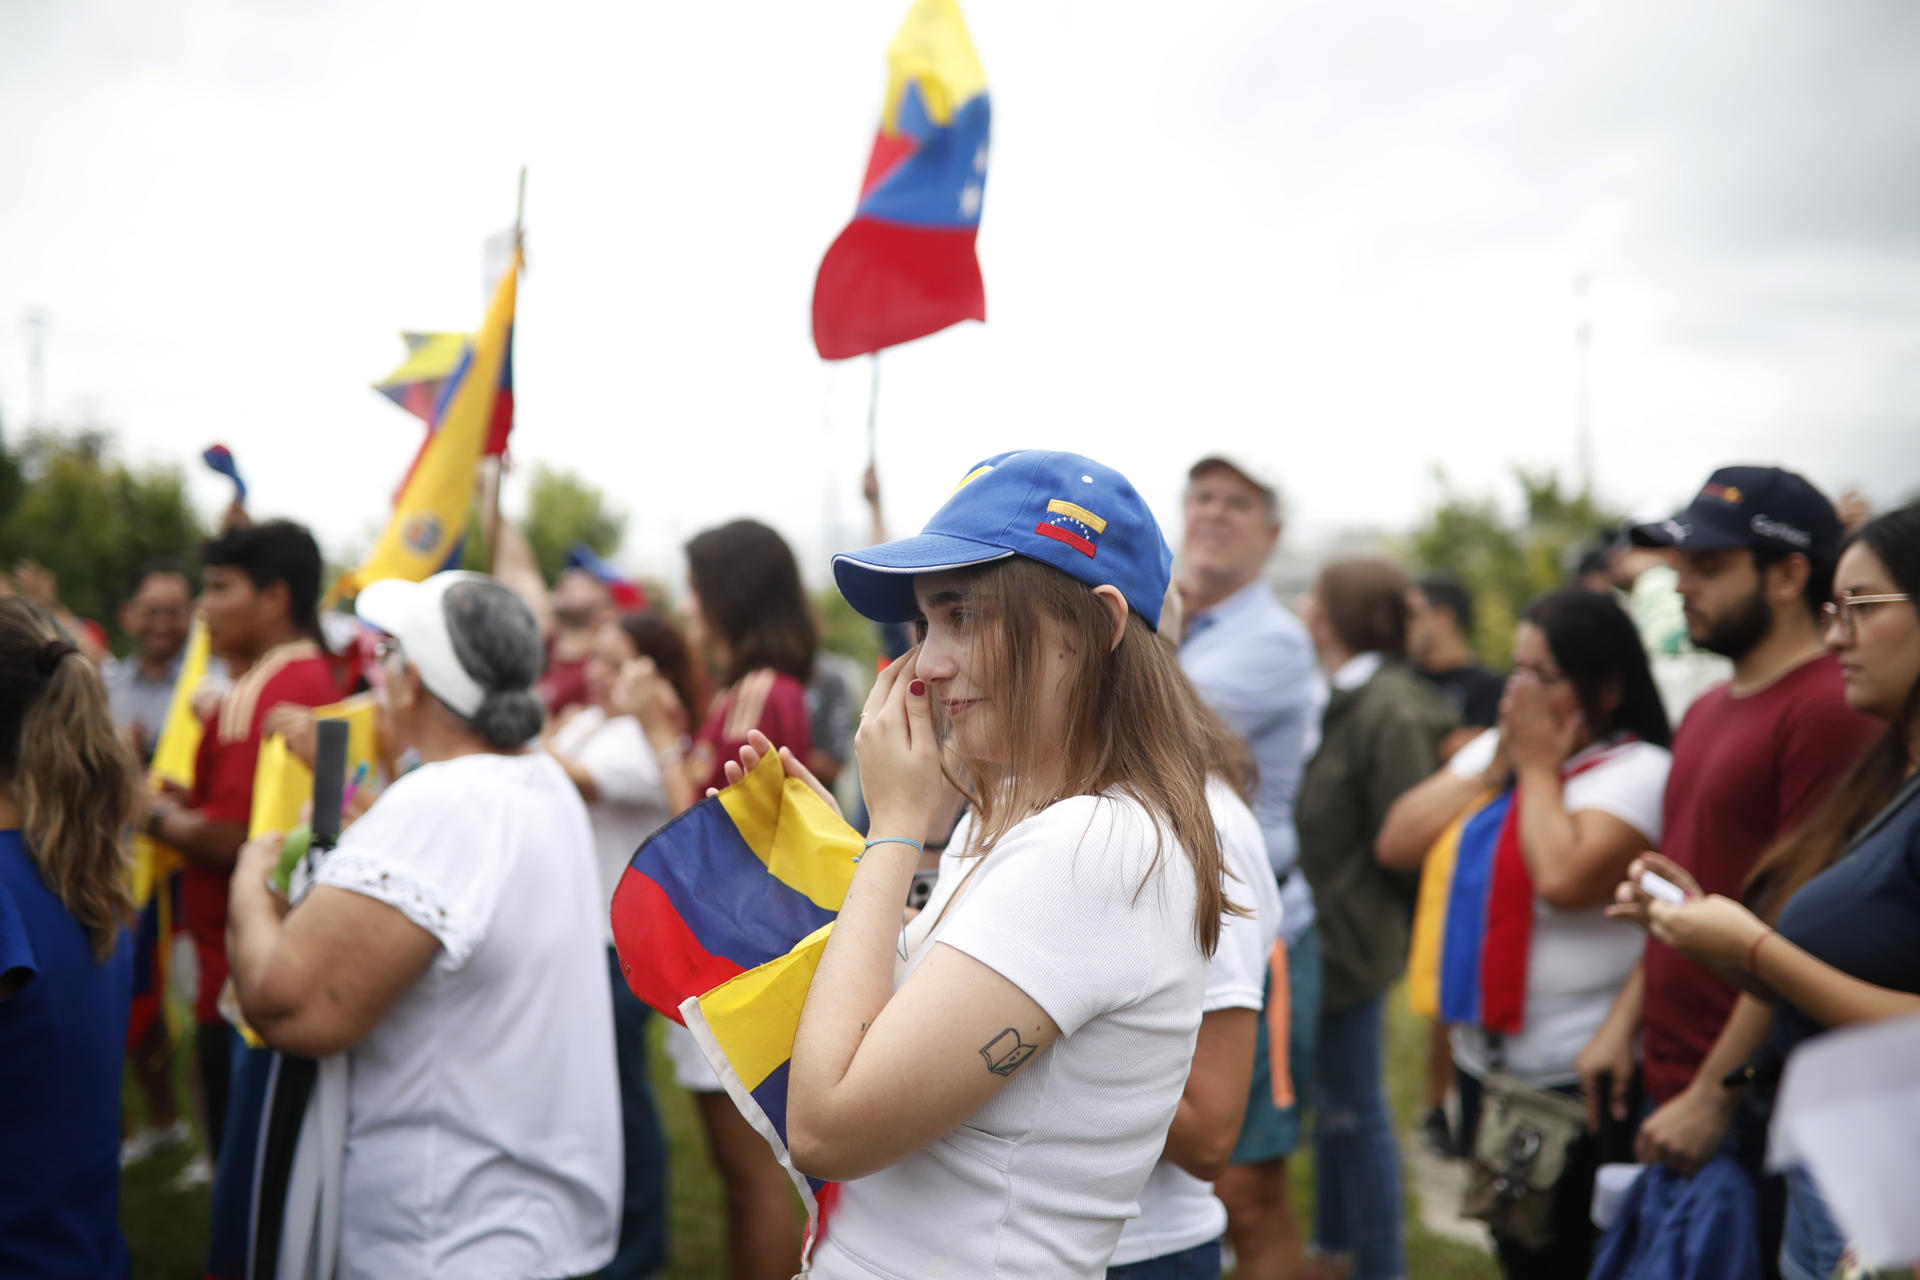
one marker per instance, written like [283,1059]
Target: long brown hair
[72,777]
[750,593]
[1868,787]
[1127,724]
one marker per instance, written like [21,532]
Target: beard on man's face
[1735,633]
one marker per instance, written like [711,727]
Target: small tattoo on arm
[1006,1051]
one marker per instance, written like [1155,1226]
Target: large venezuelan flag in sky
[905,265]
[720,921]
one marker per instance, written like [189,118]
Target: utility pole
[1583,381]
[36,322]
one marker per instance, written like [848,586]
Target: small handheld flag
[220,458]
[417,384]
[720,922]
[905,266]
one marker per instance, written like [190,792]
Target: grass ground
[166,1227]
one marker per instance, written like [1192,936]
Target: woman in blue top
[68,785]
[1846,885]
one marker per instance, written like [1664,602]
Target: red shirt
[563,685]
[766,700]
[223,790]
[1745,770]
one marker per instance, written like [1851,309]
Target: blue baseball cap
[1062,509]
[1757,507]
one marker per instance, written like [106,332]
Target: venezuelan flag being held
[905,266]
[1473,920]
[430,515]
[720,922]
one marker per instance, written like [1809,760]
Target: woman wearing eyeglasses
[1845,885]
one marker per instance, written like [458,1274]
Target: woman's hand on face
[757,748]
[646,695]
[898,753]
[1531,736]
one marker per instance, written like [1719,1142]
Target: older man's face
[1230,527]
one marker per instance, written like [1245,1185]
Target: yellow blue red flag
[905,266]
[431,359]
[720,921]
[430,515]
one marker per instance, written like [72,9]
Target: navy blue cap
[1061,509]
[1753,507]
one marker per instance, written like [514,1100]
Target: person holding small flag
[992,1085]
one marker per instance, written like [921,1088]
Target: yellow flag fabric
[281,783]
[173,761]
[430,515]
[932,50]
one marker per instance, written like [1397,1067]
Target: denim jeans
[1810,1245]
[1356,1158]
[1202,1262]
[643,1208]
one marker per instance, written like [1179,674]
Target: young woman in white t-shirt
[1583,739]
[992,1085]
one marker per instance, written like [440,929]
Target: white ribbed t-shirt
[1177,1210]
[1071,907]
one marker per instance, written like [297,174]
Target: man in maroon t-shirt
[1756,554]
[258,597]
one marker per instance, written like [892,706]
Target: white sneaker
[149,1142]
[197,1172]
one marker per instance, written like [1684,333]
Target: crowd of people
[1147,853]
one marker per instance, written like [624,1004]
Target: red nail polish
[918,688]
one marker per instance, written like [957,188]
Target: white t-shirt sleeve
[417,851]
[1630,786]
[1475,757]
[622,765]
[1237,974]
[1060,911]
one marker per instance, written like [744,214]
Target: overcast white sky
[1338,237]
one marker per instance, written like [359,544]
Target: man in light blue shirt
[1253,663]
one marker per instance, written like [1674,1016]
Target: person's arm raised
[874,1079]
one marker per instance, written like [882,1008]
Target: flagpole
[873,414]
[496,471]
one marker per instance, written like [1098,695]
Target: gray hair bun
[497,640]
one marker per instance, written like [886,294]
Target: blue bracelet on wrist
[917,846]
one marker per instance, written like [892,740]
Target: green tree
[1505,563]
[844,631]
[563,511]
[95,521]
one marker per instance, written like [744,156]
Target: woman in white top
[1583,740]
[1182,1221]
[622,749]
[993,1085]
[451,945]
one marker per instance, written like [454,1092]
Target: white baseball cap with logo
[415,615]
